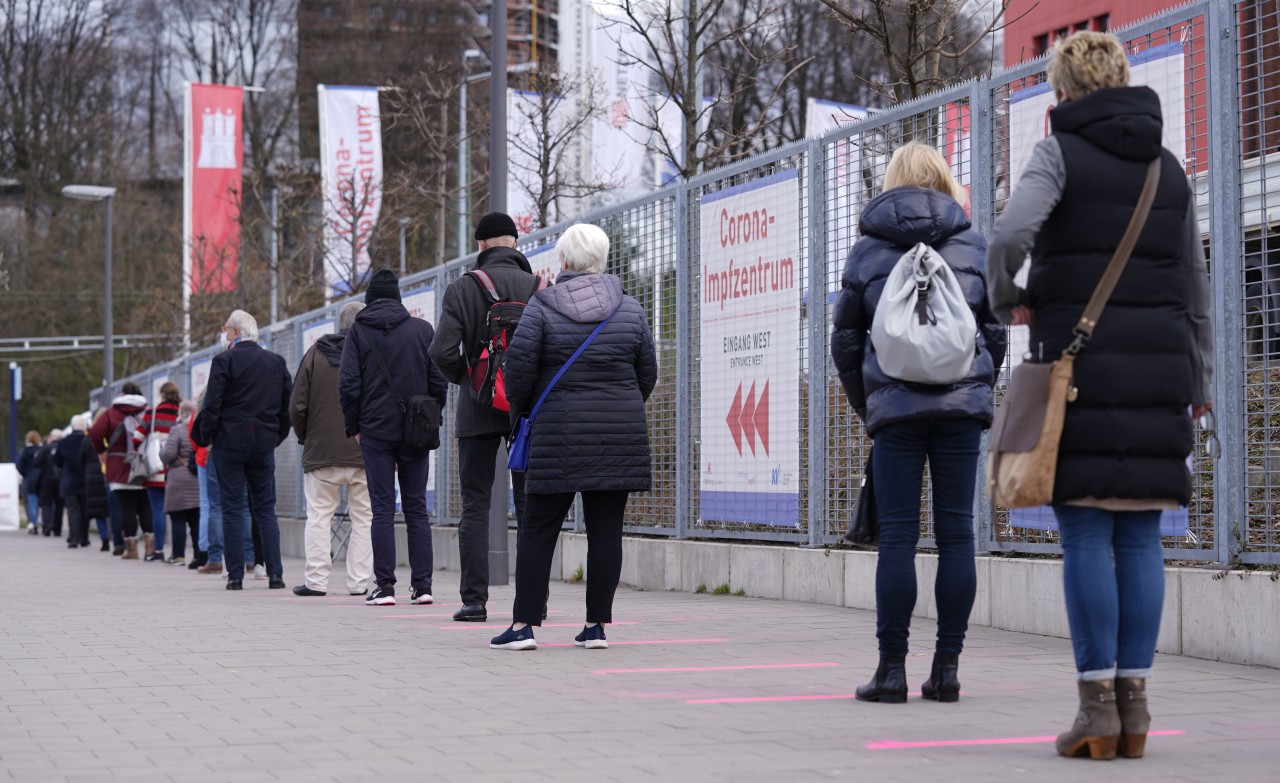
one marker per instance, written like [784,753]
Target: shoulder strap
[1111,277]
[599,328]
[486,283]
[386,374]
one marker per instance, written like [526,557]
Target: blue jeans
[1113,575]
[214,527]
[33,508]
[898,457]
[383,462]
[103,532]
[203,541]
[257,471]
[156,497]
[117,520]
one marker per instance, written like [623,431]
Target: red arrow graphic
[748,418]
[761,418]
[735,413]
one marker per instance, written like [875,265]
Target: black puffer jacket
[591,434]
[70,465]
[369,407]
[95,483]
[462,319]
[892,224]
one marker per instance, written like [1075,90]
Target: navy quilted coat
[591,434]
[891,225]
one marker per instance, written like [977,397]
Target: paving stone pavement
[145,672]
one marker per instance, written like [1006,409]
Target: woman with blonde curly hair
[1148,366]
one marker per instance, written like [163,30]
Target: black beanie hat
[496,224]
[384,285]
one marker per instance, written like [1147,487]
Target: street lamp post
[464,154]
[498,108]
[101,193]
[404,221]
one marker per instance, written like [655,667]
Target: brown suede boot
[1131,701]
[1096,732]
[149,545]
[130,549]
[210,568]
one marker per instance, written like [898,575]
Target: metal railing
[1227,69]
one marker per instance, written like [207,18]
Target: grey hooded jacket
[591,434]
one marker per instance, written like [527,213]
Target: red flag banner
[214,156]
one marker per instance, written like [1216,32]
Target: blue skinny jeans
[1113,578]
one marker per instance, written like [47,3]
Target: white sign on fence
[312,334]
[750,326]
[10,494]
[545,262]
[200,377]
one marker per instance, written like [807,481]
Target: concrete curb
[1231,619]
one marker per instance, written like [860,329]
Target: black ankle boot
[944,679]
[889,685]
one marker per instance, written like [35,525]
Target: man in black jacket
[245,418]
[386,340]
[479,430]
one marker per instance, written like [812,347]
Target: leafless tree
[923,45]
[730,43]
[548,129]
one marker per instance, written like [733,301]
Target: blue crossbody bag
[518,443]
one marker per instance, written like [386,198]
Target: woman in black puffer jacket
[590,436]
[912,422]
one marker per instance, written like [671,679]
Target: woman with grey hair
[590,435]
[182,484]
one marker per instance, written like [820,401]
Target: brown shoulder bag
[1022,460]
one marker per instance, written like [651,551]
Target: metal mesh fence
[720,397]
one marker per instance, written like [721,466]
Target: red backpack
[488,385]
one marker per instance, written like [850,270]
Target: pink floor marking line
[429,615]
[802,697]
[895,745]
[470,627]
[647,641]
[716,668]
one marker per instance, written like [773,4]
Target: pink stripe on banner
[716,668]
[651,641]
[895,745]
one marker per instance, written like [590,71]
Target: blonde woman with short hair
[912,423]
[1150,362]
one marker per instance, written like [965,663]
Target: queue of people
[579,357]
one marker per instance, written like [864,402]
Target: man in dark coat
[72,483]
[245,418]
[479,430]
[374,413]
[51,501]
[331,460]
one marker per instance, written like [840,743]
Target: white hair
[347,315]
[583,248]
[245,324]
[80,422]
[186,410]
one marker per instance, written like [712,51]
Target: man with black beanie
[480,430]
[384,340]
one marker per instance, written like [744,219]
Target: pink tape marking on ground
[647,641]
[801,697]
[895,745]
[470,627]
[429,615]
[716,668]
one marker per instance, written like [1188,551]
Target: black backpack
[487,384]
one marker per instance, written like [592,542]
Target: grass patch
[721,590]
[576,577]
[701,588]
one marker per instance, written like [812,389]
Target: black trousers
[51,515]
[135,509]
[476,464]
[184,520]
[544,515]
[384,461]
[78,520]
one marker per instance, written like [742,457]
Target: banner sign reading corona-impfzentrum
[750,352]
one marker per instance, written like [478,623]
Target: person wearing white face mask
[245,418]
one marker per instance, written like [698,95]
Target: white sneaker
[259,572]
[420,598]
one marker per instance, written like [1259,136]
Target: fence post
[982,211]
[684,221]
[819,426]
[1229,506]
